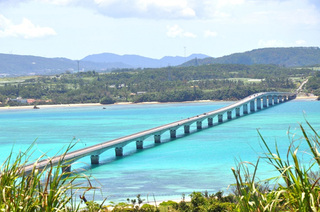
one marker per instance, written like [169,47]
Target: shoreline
[96,104]
[309,98]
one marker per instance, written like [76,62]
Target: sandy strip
[307,97]
[95,104]
[127,103]
[51,106]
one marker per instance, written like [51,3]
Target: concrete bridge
[245,106]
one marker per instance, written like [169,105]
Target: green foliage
[168,203]
[203,202]
[289,57]
[107,100]
[41,190]
[300,189]
[313,85]
[169,84]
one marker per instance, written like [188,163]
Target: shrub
[300,189]
[41,190]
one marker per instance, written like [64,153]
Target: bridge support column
[275,99]
[280,99]
[270,100]
[94,159]
[229,113]
[119,151]
[173,133]
[186,129]
[157,139]
[237,112]
[139,144]
[265,102]
[210,121]
[220,118]
[259,103]
[199,125]
[245,108]
[285,98]
[66,168]
[252,106]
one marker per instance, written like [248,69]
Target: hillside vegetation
[22,65]
[172,84]
[288,57]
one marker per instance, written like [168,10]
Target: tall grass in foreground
[49,189]
[297,186]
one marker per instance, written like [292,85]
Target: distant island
[21,65]
[169,84]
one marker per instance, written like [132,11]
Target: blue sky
[155,28]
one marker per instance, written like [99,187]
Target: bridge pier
[229,114]
[252,106]
[210,121]
[280,99]
[285,98]
[245,109]
[275,99]
[186,129]
[237,112]
[270,100]
[265,103]
[94,159]
[119,151]
[259,103]
[220,118]
[139,144]
[157,139]
[199,125]
[173,133]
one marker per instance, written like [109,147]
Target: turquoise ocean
[200,161]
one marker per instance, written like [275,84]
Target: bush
[299,190]
[21,191]
[107,100]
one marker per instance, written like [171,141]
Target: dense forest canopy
[209,82]
[288,57]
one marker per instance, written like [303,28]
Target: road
[140,136]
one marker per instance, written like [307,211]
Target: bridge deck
[121,142]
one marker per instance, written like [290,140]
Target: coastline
[94,104]
[308,98]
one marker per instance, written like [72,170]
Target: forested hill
[136,61]
[288,57]
[22,65]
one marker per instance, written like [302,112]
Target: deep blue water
[196,162]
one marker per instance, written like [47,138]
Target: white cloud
[155,9]
[300,42]
[280,43]
[176,31]
[228,3]
[26,29]
[57,2]
[271,43]
[209,33]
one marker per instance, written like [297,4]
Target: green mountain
[288,57]
[17,65]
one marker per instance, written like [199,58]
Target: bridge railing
[140,136]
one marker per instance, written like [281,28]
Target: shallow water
[196,162]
